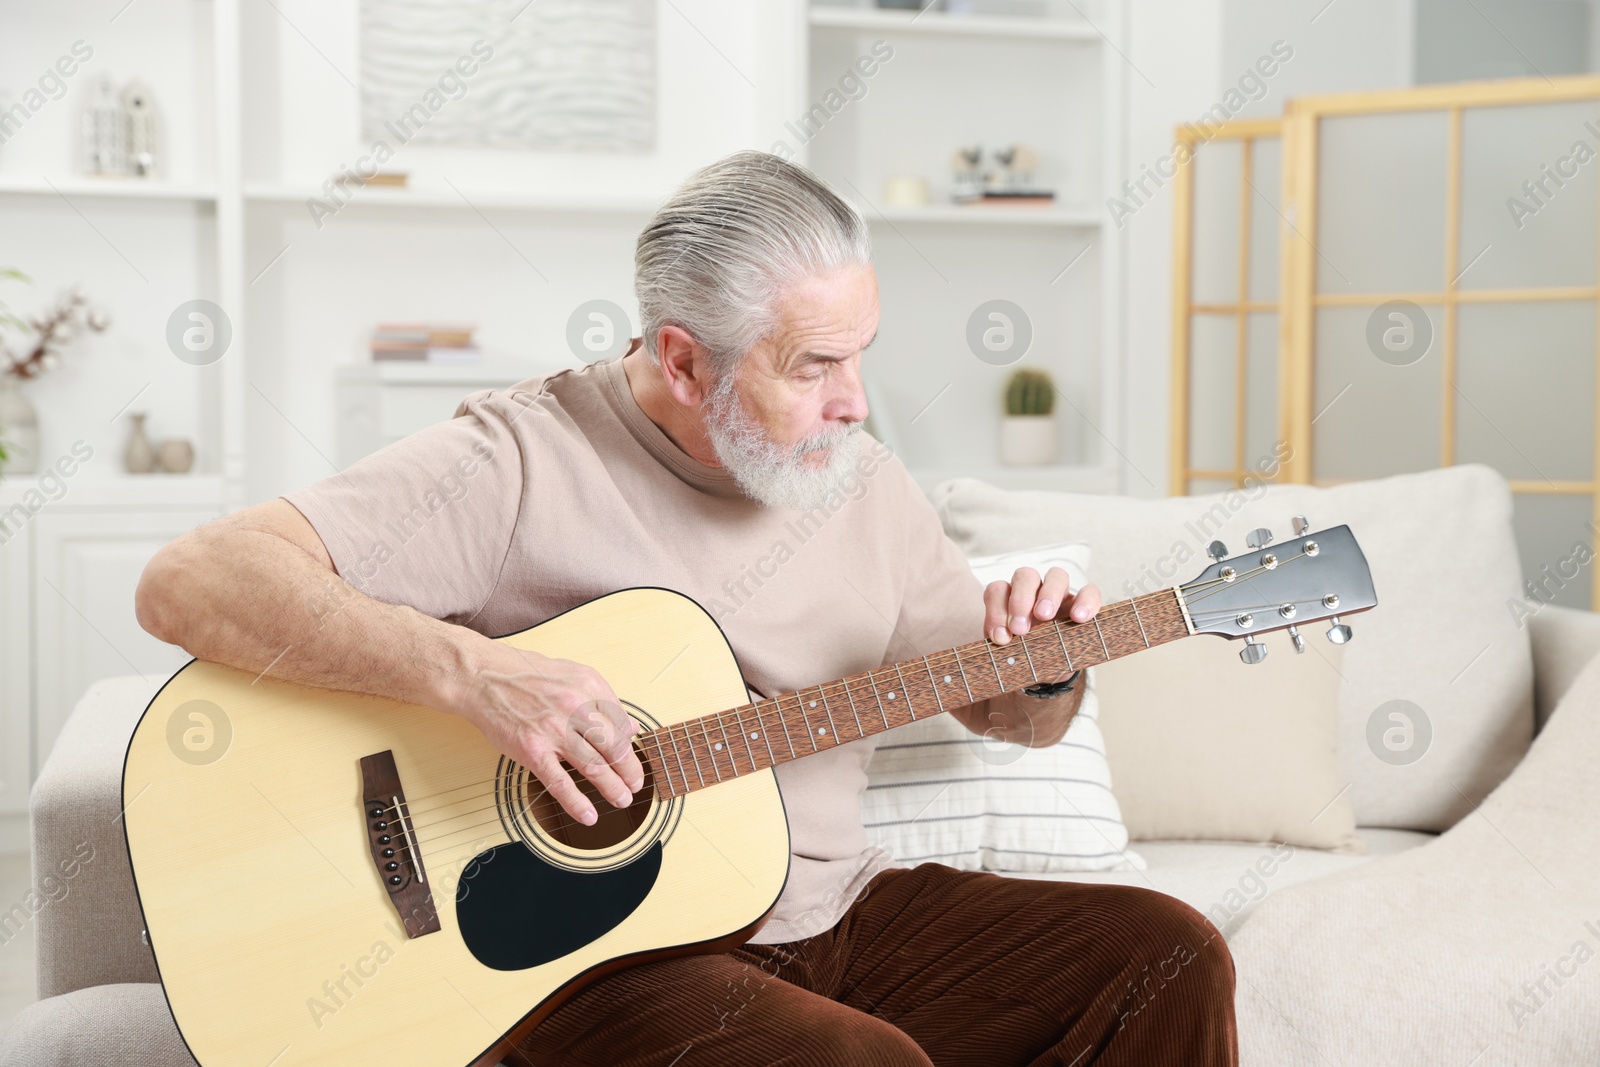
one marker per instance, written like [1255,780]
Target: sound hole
[614,824]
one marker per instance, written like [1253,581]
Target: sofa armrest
[1564,639]
[89,923]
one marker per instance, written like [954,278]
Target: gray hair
[716,256]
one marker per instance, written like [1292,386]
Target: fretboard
[716,748]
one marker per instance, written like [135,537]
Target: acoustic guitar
[329,878]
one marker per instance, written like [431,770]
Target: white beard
[768,473]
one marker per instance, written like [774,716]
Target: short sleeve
[428,521]
[942,605]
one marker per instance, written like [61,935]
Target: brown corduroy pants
[929,965]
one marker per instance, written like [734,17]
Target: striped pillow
[938,792]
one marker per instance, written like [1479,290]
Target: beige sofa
[1369,959]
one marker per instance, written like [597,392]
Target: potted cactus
[1028,431]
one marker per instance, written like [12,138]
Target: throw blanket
[1480,948]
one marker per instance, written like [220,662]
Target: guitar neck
[715,748]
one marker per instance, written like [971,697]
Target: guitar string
[760,715]
[563,823]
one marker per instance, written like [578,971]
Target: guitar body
[259,823]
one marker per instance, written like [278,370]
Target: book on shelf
[424,342]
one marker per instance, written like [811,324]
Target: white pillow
[938,792]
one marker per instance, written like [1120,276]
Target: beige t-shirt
[539,497]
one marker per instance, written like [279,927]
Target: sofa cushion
[1200,750]
[937,791]
[1444,564]
[127,1024]
[1482,948]
[1226,880]
[89,922]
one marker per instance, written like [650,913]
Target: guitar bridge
[394,844]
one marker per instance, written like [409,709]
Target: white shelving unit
[1054,83]
[258,112]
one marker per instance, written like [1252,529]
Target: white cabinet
[16,671]
[69,565]
[87,566]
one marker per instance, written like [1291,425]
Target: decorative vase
[177,456]
[1028,440]
[140,455]
[19,427]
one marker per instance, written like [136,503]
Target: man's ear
[685,366]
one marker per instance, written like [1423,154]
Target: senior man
[677,465]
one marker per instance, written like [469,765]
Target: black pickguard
[516,910]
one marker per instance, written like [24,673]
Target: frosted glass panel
[1266,203]
[1527,390]
[1203,486]
[1387,419]
[1212,374]
[1524,221]
[1382,187]
[1261,390]
[1548,526]
[1216,223]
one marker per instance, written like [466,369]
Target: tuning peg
[1299,642]
[1253,651]
[1338,632]
[1217,550]
[1260,537]
[1300,525]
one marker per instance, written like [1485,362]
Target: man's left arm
[1011,609]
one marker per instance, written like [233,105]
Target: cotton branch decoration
[45,335]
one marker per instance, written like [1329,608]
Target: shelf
[491,372]
[932,23]
[983,216]
[118,490]
[106,188]
[466,200]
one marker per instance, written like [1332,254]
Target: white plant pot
[1029,440]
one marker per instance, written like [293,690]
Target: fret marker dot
[717,746]
[947,678]
[813,703]
[754,734]
[1011,661]
[822,729]
[891,694]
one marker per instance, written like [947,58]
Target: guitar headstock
[1310,577]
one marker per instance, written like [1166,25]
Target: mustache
[826,439]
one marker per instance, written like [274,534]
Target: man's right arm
[258,590]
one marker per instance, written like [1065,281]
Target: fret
[1135,602]
[851,698]
[746,735]
[710,753]
[1023,639]
[697,772]
[988,647]
[728,745]
[963,672]
[661,761]
[1060,636]
[810,732]
[828,712]
[789,740]
[1101,633]
[905,692]
[883,711]
[853,714]
[931,681]
[766,734]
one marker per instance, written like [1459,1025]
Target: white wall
[1184,56]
